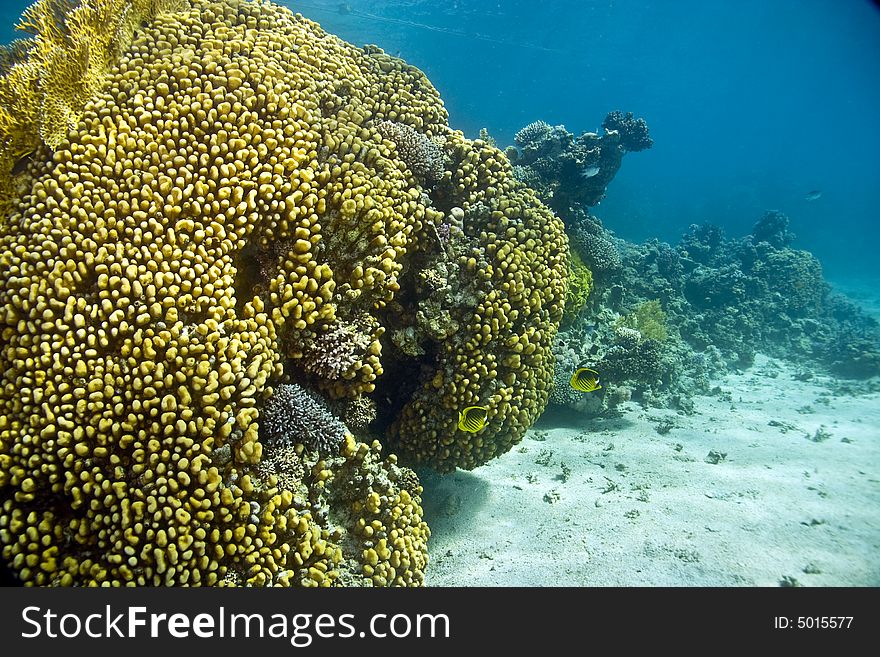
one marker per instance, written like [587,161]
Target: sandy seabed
[775,480]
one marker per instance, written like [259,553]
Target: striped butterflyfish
[472,418]
[585,380]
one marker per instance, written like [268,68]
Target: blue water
[751,103]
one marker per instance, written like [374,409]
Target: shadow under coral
[451,498]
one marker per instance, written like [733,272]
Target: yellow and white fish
[585,380]
[473,418]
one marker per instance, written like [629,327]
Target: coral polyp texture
[209,210]
[508,276]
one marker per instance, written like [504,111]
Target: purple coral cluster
[294,415]
[423,157]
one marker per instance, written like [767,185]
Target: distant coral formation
[683,314]
[772,228]
[633,132]
[568,171]
[662,320]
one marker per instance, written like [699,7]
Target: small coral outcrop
[571,171]
[293,415]
[633,132]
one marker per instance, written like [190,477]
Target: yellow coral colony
[216,200]
[132,370]
[501,357]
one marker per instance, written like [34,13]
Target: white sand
[644,508]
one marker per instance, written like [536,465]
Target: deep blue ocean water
[751,103]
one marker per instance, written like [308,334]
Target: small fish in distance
[813,195]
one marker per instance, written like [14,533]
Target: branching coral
[633,132]
[533,133]
[338,350]
[421,155]
[294,415]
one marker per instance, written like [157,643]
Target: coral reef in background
[735,297]
[224,216]
[633,132]
[772,228]
[662,320]
[758,293]
[569,171]
[631,365]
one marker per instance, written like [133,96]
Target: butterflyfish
[473,418]
[585,380]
